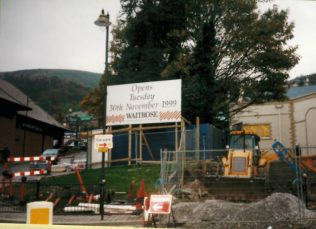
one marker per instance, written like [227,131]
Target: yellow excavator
[244,158]
[249,173]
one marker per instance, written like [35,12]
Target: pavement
[108,220]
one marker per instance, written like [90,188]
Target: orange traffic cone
[141,191]
[130,194]
[141,194]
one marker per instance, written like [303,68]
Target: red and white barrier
[36,158]
[29,173]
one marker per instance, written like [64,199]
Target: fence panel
[153,140]
[67,198]
[199,178]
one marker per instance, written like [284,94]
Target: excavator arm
[284,155]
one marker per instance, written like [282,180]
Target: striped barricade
[29,173]
[26,159]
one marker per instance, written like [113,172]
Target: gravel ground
[279,210]
[115,220]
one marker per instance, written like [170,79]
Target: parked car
[75,144]
[56,153]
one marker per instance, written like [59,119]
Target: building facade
[291,122]
[25,128]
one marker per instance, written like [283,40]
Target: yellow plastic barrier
[39,212]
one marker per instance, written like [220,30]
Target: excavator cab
[243,141]
[243,155]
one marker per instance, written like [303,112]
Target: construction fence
[191,161]
[198,175]
[67,198]
[142,144]
[194,177]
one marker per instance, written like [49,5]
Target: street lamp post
[104,21]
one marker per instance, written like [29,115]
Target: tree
[234,51]
[148,39]
[94,101]
[222,50]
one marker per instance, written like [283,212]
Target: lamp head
[103,20]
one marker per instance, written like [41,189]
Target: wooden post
[140,143]
[176,136]
[148,148]
[129,144]
[109,150]
[204,154]
[183,149]
[197,139]
[184,138]
[89,145]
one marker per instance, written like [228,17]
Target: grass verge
[118,178]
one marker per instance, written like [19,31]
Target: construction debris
[273,210]
[194,190]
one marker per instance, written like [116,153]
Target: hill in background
[87,79]
[56,91]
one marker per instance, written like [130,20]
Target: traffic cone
[141,191]
[130,194]
[141,194]
[146,221]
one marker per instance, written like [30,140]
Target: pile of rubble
[275,210]
[194,190]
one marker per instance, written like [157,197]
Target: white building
[292,122]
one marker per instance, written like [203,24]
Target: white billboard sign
[139,103]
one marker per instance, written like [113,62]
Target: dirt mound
[275,209]
[194,190]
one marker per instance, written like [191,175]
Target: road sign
[160,204]
[103,142]
[102,148]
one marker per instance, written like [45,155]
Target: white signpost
[100,143]
[139,103]
[103,142]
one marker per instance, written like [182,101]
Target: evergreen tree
[222,50]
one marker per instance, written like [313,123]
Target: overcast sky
[60,34]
